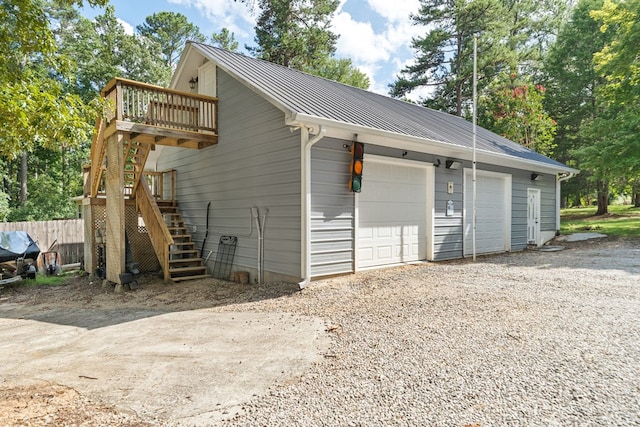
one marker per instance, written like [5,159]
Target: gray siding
[448,230]
[520,182]
[256,163]
[332,209]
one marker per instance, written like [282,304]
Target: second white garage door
[493,212]
[392,213]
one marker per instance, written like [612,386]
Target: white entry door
[533,216]
[392,213]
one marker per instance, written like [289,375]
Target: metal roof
[296,92]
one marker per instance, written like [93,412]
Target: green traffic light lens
[356,184]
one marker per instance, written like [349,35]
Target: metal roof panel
[296,92]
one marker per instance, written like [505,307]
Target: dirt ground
[97,383]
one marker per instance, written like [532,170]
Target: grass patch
[44,280]
[621,220]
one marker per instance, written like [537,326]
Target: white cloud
[358,41]
[395,10]
[378,54]
[128,28]
[234,15]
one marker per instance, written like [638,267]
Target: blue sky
[375,34]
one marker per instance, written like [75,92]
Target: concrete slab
[191,368]
[577,237]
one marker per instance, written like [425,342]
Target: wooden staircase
[184,262]
[140,117]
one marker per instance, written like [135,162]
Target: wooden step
[187,271]
[183,260]
[178,231]
[187,237]
[190,244]
[194,277]
[184,252]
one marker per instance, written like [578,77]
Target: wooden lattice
[140,241]
[143,253]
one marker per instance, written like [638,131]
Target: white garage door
[493,212]
[391,214]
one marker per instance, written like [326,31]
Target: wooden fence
[68,236]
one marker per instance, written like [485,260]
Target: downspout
[305,232]
[559,181]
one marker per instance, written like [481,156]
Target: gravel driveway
[531,339]
[525,339]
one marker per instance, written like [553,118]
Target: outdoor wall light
[437,163]
[193,82]
[452,164]
[536,177]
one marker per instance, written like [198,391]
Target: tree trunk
[23,179]
[636,199]
[603,198]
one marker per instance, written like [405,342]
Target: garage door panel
[493,226]
[391,214]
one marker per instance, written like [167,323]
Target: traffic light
[357,154]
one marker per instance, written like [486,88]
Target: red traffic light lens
[358,150]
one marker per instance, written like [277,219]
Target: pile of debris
[18,256]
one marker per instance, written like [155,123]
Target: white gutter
[423,145]
[305,187]
[558,182]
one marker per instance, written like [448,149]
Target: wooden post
[89,235]
[115,224]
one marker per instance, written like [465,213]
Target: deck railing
[154,105]
[161,184]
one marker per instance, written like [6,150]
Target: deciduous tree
[516,111]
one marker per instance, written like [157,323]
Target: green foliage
[54,179]
[618,61]
[615,132]
[515,111]
[103,50]
[25,32]
[171,31]
[295,33]
[594,74]
[614,145]
[444,59]
[511,38]
[341,70]
[572,95]
[225,40]
[35,111]
[34,108]
[4,206]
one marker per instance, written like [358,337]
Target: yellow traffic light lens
[357,167]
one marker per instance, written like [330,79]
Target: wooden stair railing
[161,238]
[184,262]
[98,149]
[171,242]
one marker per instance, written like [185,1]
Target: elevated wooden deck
[161,116]
[138,118]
